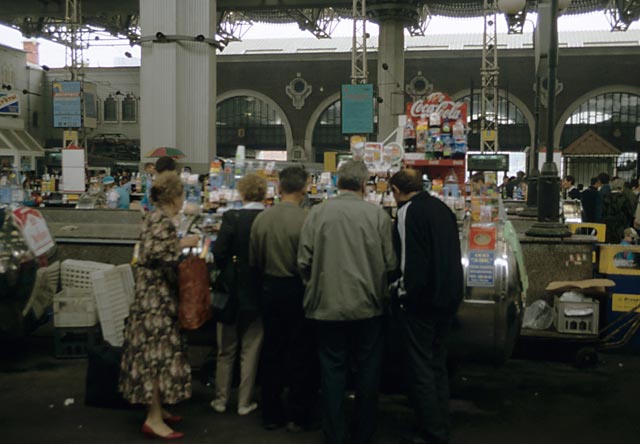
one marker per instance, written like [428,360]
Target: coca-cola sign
[440,103]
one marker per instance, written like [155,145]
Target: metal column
[489,73]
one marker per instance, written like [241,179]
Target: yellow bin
[600,229]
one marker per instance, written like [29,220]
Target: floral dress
[153,347]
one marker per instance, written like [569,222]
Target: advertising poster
[67,104]
[356,104]
[89,105]
[34,229]
[481,270]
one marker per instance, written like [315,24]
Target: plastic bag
[538,316]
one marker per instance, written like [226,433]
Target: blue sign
[67,104]
[481,269]
[356,104]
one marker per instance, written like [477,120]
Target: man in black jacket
[592,203]
[430,290]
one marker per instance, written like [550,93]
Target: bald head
[407,181]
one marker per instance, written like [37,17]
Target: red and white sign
[34,229]
[440,103]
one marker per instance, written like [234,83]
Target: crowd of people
[607,200]
[313,295]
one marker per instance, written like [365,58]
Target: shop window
[110,109]
[129,108]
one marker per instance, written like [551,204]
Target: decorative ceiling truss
[621,13]
[232,26]
[419,28]
[319,22]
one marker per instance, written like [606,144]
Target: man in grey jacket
[344,255]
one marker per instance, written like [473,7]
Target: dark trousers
[288,353]
[426,366]
[339,342]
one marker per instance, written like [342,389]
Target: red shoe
[173,419]
[149,433]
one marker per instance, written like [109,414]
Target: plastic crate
[77,274]
[45,287]
[74,307]
[576,324]
[74,342]
[611,260]
[113,290]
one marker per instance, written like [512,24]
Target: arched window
[327,134]
[514,132]
[613,116]
[248,121]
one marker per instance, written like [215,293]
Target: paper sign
[481,270]
[34,229]
[625,302]
[482,238]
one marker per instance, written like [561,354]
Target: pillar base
[548,229]
[529,212]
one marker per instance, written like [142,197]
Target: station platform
[529,399]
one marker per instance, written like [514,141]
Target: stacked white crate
[75,305]
[114,291]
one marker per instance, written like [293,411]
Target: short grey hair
[617,184]
[352,175]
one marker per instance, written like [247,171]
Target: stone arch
[313,119]
[258,95]
[524,109]
[628,89]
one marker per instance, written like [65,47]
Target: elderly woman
[246,333]
[154,367]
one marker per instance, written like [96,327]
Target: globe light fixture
[511,6]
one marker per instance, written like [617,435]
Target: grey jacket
[345,253]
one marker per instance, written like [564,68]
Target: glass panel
[129,107]
[110,109]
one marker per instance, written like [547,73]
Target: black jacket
[591,205]
[433,276]
[233,240]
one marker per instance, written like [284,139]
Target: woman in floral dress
[154,367]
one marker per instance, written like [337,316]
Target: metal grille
[613,116]
[248,121]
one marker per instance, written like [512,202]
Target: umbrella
[166,151]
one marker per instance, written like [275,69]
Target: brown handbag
[194,304]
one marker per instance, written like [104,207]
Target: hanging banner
[9,104]
[356,104]
[67,104]
[439,103]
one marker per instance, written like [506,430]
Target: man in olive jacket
[430,290]
[344,255]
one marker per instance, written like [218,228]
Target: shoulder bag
[194,304]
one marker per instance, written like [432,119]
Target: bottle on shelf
[409,136]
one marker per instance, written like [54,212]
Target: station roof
[117,16]
[451,42]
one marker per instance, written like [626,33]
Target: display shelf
[435,162]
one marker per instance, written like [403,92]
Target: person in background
[514,183]
[628,193]
[163,164]
[344,256]
[154,369]
[630,238]
[616,212]
[244,338]
[124,198]
[603,184]
[592,202]
[113,197]
[429,292]
[569,189]
[288,351]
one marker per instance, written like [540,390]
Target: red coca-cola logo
[437,103]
